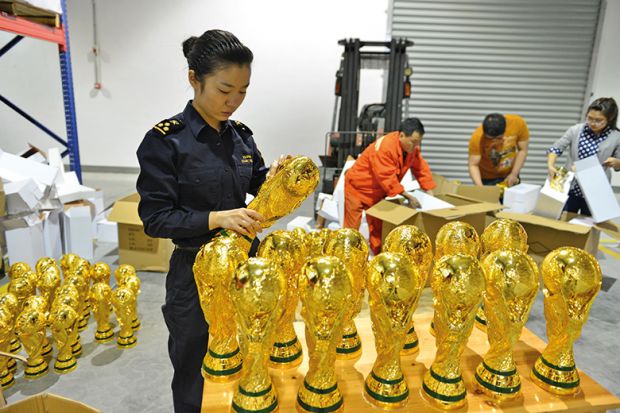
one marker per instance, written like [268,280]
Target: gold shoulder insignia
[168,125]
[241,127]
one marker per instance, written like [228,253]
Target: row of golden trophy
[329,271]
[64,305]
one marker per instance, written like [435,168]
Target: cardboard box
[489,193]
[2,200]
[521,198]
[546,234]
[47,403]
[52,234]
[77,229]
[134,246]
[15,168]
[465,209]
[26,243]
[22,196]
[71,190]
[597,190]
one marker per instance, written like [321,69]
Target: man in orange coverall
[377,173]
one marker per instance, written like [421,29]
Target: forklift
[351,134]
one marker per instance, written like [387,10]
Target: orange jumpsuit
[376,174]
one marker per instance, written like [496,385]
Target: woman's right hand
[552,170]
[242,220]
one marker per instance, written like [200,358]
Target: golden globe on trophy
[295,179]
[572,278]
[457,283]
[257,291]
[101,299]
[511,286]
[284,250]
[351,247]
[412,242]
[68,262]
[214,268]
[100,273]
[394,288]
[63,323]
[325,289]
[500,234]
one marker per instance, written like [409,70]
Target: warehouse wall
[606,77]
[289,104]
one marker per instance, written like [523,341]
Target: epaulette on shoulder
[241,127]
[168,126]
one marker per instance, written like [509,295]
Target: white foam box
[22,196]
[77,230]
[107,231]
[329,209]
[521,198]
[26,244]
[550,202]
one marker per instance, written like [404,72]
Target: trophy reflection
[572,279]
[325,289]
[415,244]
[393,284]
[214,268]
[457,283]
[500,234]
[511,286]
[284,250]
[351,247]
[257,291]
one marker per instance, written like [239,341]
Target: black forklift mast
[347,136]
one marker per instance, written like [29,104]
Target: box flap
[125,210]
[391,212]
[489,193]
[444,185]
[545,222]
[610,228]
[48,403]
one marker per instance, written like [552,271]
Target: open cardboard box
[47,403]
[2,200]
[134,246]
[490,194]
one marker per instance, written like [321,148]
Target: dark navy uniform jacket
[188,169]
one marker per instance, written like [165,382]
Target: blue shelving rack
[24,28]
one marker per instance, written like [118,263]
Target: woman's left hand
[275,165]
[612,163]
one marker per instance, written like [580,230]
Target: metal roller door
[473,57]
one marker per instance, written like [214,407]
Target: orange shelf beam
[27,28]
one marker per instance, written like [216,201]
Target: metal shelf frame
[60,36]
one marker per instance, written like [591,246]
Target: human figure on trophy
[195,170]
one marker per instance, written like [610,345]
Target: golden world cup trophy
[49,281]
[257,292]
[326,289]
[132,282]
[21,287]
[123,271]
[214,268]
[43,263]
[511,286]
[457,283]
[123,302]
[67,294]
[83,289]
[412,242]
[30,328]
[572,279]
[500,234]
[63,323]
[300,238]
[351,247]
[315,242]
[82,270]
[456,237]
[18,269]
[68,263]
[9,305]
[295,179]
[559,179]
[38,303]
[101,301]
[281,248]
[394,288]
[100,273]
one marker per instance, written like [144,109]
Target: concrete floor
[138,379]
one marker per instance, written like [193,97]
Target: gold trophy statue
[123,302]
[315,241]
[30,328]
[8,309]
[10,305]
[457,283]
[295,179]
[63,322]
[18,269]
[132,282]
[67,294]
[123,271]
[511,286]
[351,247]
[415,244]
[257,291]
[326,289]
[21,287]
[559,179]
[83,289]
[68,263]
[100,273]
[49,281]
[500,234]
[281,248]
[82,269]
[101,301]
[572,279]
[394,287]
[214,268]
[38,303]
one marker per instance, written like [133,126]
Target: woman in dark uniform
[195,171]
